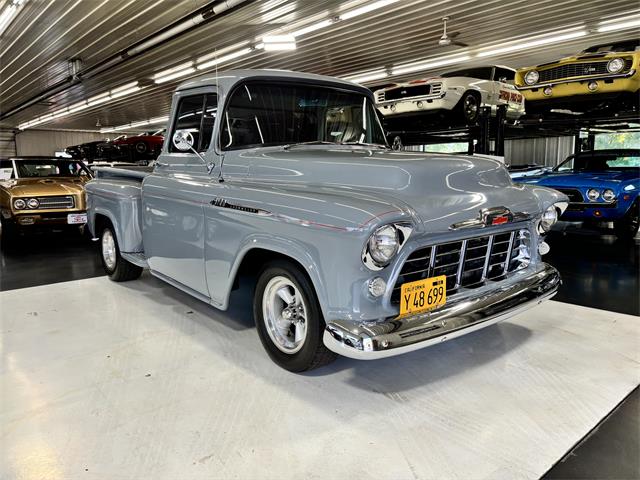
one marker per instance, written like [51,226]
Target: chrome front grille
[60,202]
[380,96]
[436,88]
[467,263]
[585,69]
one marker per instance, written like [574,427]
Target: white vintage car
[461,91]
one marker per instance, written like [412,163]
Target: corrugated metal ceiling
[36,47]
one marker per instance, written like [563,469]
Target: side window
[6,170]
[196,114]
[504,75]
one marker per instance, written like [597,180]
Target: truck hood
[437,190]
[40,187]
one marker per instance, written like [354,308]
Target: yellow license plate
[423,295]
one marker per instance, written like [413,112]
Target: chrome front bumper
[401,335]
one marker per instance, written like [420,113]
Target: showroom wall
[544,151]
[46,142]
[7,143]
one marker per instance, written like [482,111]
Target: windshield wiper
[313,142]
[379,145]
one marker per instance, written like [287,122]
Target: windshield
[50,168]
[599,163]
[628,46]
[261,114]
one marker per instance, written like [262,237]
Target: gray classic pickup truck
[354,249]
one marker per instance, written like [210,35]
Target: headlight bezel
[608,195]
[593,194]
[17,207]
[535,73]
[375,262]
[548,219]
[383,244]
[621,63]
[33,203]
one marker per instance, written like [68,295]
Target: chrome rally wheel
[284,314]
[109,254]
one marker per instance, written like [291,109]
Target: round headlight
[531,77]
[19,204]
[383,244]
[593,194]
[549,218]
[33,203]
[608,195]
[615,65]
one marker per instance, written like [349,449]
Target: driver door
[173,196]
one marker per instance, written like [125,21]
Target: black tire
[313,353]
[117,268]
[8,234]
[469,107]
[627,227]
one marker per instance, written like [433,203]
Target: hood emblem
[490,217]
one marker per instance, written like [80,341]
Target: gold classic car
[598,77]
[41,191]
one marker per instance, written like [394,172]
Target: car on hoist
[145,146]
[602,186]
[462,92]
[600,77]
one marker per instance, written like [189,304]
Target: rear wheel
[627,227]
[118,269]
[288,318]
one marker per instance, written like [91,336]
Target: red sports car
[144,146]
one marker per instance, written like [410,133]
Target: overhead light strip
[135,125]
[10,13]
[117,92]
[514,47]
[618,24]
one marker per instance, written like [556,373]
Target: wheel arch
[252,259]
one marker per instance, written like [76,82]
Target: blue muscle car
[602,186]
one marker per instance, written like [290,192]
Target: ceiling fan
[449,38]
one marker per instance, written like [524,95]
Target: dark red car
[136,147]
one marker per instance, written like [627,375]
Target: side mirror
[183,140]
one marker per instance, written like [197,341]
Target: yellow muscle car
[598,77]
[41,191]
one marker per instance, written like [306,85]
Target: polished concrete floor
[93,392]
[138,380]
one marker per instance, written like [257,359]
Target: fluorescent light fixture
[279,42]
[416,67]
[170,71]
[533,43]
[366,9]
[174,75]
[98,99]
[224,58]
[367,76]
[9,13]
[219,51]
[618,24]
[135,125]
[311,28]
[76,107]
[126,86]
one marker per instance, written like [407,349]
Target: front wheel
[627,227]
[118,269]
[469,107]
[288,318]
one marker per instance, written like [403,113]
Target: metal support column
[501,125]
[483,138]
